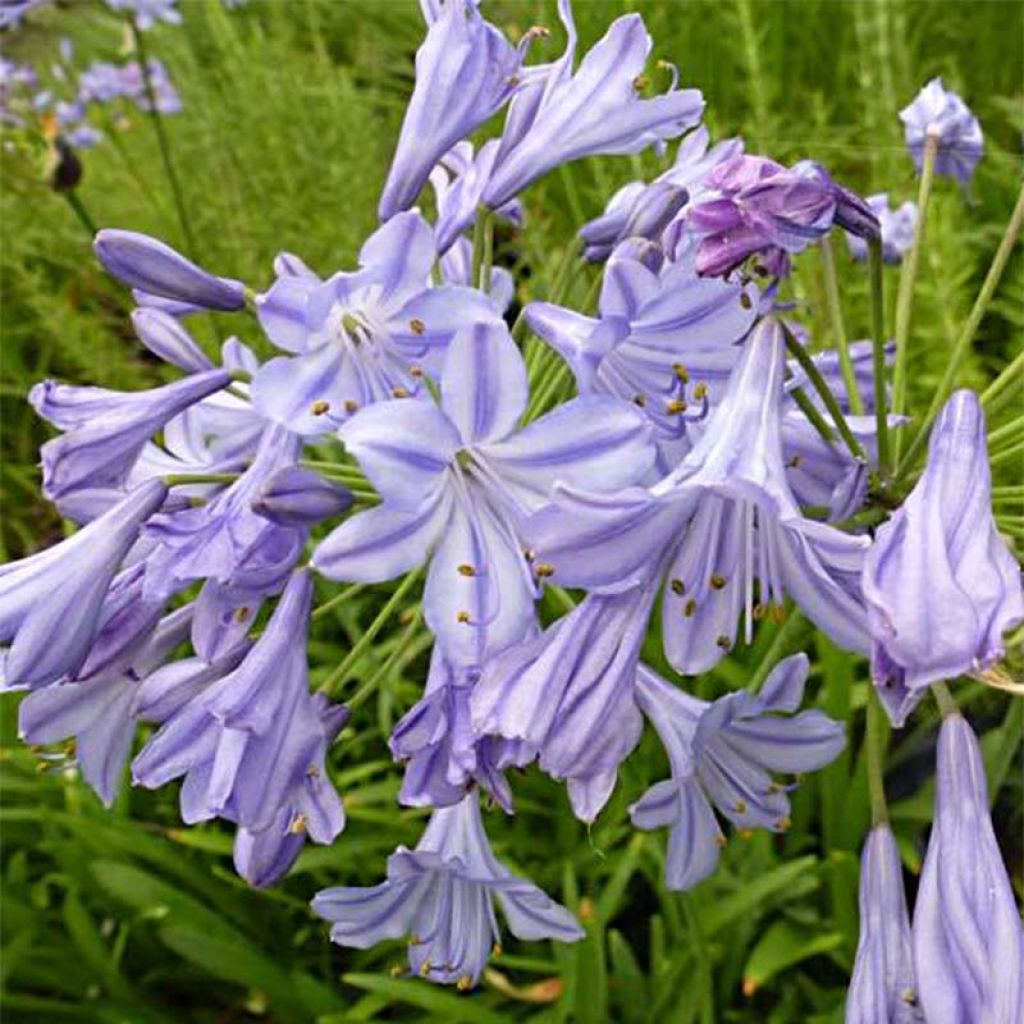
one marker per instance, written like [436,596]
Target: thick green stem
[947,706]
[835,312]
[908,280]
[963,343]
[810,410]
[876,741]
[162,141]
[81,213]
[175,479]
[878,355]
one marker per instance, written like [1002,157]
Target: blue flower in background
[897,229]
[148,12]
[441,895]
[940,113]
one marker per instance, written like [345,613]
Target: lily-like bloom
[140,261]
[51,603]
[148,12]
[897,228]
[968,941]
[441,895]
[99,712]
[722,754]
[883,990]
[107,430]
[722,521]
[466,71]
[664,339]
[246,742]
[360,337]
[458,479]
[940,583]
[561,116]
[941,113]
[568,693]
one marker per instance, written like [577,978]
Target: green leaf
[447,1005]
[783,945]
[751,898]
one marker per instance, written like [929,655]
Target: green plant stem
[360,696]
[877,742]
[963,343]
[174,479]
[81,213]
[360,646]
[908,280]
[801,355]
[1015,451]
[1007,376]
[947,706]
[835,312]
[1012,430]
[480,226]
[810,410]
[487,263]
[339,599]
[162,141]
[787,633]
[878,355]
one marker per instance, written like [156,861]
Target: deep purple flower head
[941,585]
[441,895]
[140,261]
[569,694]
[457,481]
[360,337]
[723,755]
[897,228]
[968,942]
[883,988]
[560,116]
[938,112]
[466,70]
[51,603]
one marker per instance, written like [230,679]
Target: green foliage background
[291,108]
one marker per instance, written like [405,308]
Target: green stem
[487,262]
[1007,455]
[786,635]
[1013,430]
[162,141]
[803,357]
[908,279]
[947,706]
[963,343]
[479,233]
[361,645]
[339,599]
[877,742]
[359,697]
[1007,376]
[878,355]
[174,479]
[835,312]
[81,212]
[810,410]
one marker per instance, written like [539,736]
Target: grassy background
[291,109]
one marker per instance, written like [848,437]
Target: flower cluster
[696,474]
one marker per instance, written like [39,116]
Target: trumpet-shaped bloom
[968,942]
[939,112]
[722,754]
[940,583]
[466,71]
[146,263]
[569,694]
[51,603]
[897,227]
[441,895]
[883,988]
[561,116]
[360,337]
[247,742]
[457,481]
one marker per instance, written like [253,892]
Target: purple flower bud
[161,333]
[140,261]
[942,114]
[897,228]
[299,497]
[642,212]
[51,603]
[968,942]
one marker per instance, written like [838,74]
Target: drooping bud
[299,497]
[166,338]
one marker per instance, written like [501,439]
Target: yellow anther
[414,939]
[700,390]
[400,392]
[298,826]
[425,968]
[784,823]
[350,405]
[681,372]
[723,641]
[319,407]
[241,614]
[416,325]
[745,300]
[690,608]
[758,612]
[640,400]
[675,407]
[641,82]
[496,949]
[529,554]
[720,840]
[718,581]
[544,569]
[396,971]
[416,371]
[678,586]
[909,996]
[746,834]
[794,462]
[464,984]
[740,807]
[466,570]
[464,617]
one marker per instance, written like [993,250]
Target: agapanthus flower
[645,210]
[51,603]
[441,895]
[98,713]
[968,942]
[664,339]
[561,116]
[140,261]
[247,742]
[457,479]
[722,755]
[883,989]
[168,340]
[294,496]
[360,337]
[941,585]
[897,228]
[466,70]
[938,112]
[457,269]
[148,12]
[568,693]
[722,521]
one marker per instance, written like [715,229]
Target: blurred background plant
[290,109]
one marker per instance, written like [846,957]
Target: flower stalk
[876,742]
[878,352]
[835,312]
